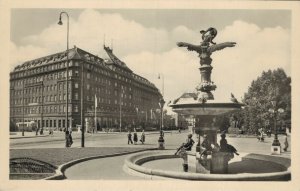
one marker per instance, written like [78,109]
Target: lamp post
[81,106]
[276,147]
[23,85]
[121,100]
[67,67]
[161,141]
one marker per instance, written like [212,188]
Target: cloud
[257,50]
[149,51]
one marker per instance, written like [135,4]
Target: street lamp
[67,67]
[161,141]
[276,147]
[121,100]
[23,84]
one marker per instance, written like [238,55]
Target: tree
[270,86]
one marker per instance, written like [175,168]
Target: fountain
[210,158]
[204,107]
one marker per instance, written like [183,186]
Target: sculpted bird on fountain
[207,46]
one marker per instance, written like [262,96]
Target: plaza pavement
[52,147]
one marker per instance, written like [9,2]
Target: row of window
[46,109]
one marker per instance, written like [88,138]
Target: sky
[146,41]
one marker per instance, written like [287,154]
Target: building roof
[77,53]
[74,53]
[186,97]
[115,59]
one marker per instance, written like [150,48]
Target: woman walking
[129,137]
[142,137]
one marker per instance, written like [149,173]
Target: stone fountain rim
[133,164]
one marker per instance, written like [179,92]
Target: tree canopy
[269,92]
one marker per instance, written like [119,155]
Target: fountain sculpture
[211,159]
[205,108]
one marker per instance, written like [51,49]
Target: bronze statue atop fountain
[207,46]
[205,49]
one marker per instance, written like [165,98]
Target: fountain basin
[137,165]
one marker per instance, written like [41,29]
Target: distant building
[185,121]
[38,92]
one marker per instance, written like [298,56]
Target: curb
[28,137]
[59,172]
[45,141]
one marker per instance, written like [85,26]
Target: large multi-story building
[110,91]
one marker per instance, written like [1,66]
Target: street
[172,141]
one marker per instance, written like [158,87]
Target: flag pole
[96,113]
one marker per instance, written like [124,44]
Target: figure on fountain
[187,146]
[225,147]
[205,49]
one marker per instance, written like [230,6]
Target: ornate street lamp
[161,141]
[276,147]
[67,67]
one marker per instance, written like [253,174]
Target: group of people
[135,137]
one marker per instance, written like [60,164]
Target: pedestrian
[67,137]
[142,137]
[129,136]
[70,138]
[286,143]
[135,137]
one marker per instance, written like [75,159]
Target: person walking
[286,143]
[142,137]
[129,136]
[135,137]
[68,138]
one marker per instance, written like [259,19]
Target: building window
[77,73]
[88,75]
[76,85]
[88,86]
[76,96]
[75,108]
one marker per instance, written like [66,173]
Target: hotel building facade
[112,95]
